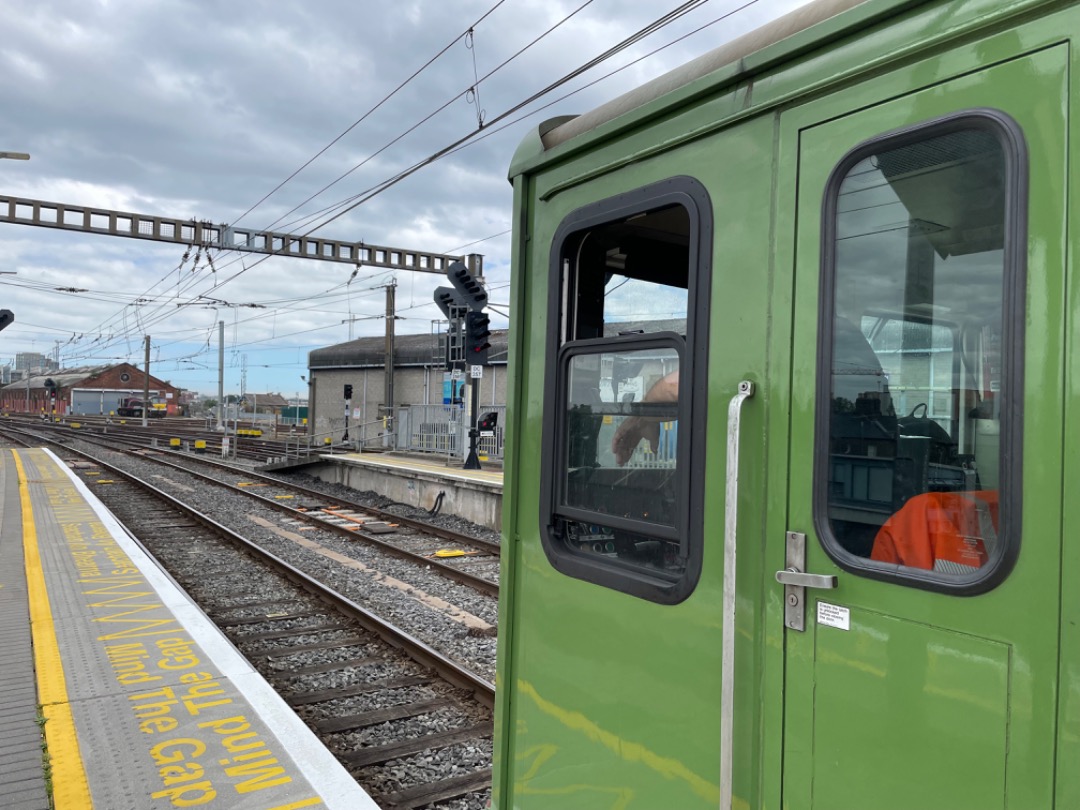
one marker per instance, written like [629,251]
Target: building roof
[266,400]
[72,377]
[409,350]
[64,377]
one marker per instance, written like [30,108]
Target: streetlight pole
[20,156]
[26,371]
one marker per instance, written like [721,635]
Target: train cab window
[620,506]
[917,473]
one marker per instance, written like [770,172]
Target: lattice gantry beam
[61,216]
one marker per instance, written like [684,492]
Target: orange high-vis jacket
[940,526]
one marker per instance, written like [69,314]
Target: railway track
[398,713]
[411,540]
[469,560]
[138,440]
[244,445]
[414,591]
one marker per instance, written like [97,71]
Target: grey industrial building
[419,378]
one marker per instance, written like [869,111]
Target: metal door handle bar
[796,582]
[727,657]
[793,576]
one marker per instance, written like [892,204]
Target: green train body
[841,245]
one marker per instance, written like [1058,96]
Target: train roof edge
[781,40]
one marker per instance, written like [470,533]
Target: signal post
[463,305]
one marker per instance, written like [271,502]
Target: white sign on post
[476,372]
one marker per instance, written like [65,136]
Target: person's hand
[635,428]
[629,435]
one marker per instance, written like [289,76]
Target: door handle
[796,581]
[793,576]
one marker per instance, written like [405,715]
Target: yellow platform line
[71,791]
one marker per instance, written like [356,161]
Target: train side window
[917,475]
[619,505]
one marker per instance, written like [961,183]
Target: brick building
[89,390]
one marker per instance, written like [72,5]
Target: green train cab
[789,472]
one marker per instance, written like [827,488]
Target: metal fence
[434,428]
[441,429]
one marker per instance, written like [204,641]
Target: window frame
[1013,145]
[692,348]
[598,346]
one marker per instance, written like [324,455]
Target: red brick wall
[111,380]
[14,399]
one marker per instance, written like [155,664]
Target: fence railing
[442,429]
[436,429]
[433,429]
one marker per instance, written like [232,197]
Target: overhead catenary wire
[386,98]
[372,110]
[415,126]
[356,200]
[359,199]
[336,210]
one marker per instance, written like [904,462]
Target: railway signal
[451,302]
[348,400]
[468,290]
[7,318]
[477,338]
[468,285]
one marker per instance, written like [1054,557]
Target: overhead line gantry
[104,221]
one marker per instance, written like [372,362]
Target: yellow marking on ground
[297,805]
[71,791]
[424,598]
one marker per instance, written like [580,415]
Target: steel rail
[413,523]
[481,584]
[485,586]
[421,652]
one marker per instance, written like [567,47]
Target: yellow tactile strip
[70,788]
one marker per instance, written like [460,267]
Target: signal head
[470,288]
[476,338]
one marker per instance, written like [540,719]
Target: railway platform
[138,700]
[427,482]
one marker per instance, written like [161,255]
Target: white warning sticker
[833,616]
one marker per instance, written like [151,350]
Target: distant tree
[209,403]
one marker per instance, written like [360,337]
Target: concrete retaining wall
[477,501]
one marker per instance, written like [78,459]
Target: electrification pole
[221,374]
[146,382]
[388,395]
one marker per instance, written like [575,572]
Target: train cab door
[919,564]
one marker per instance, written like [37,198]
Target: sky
[279,115]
